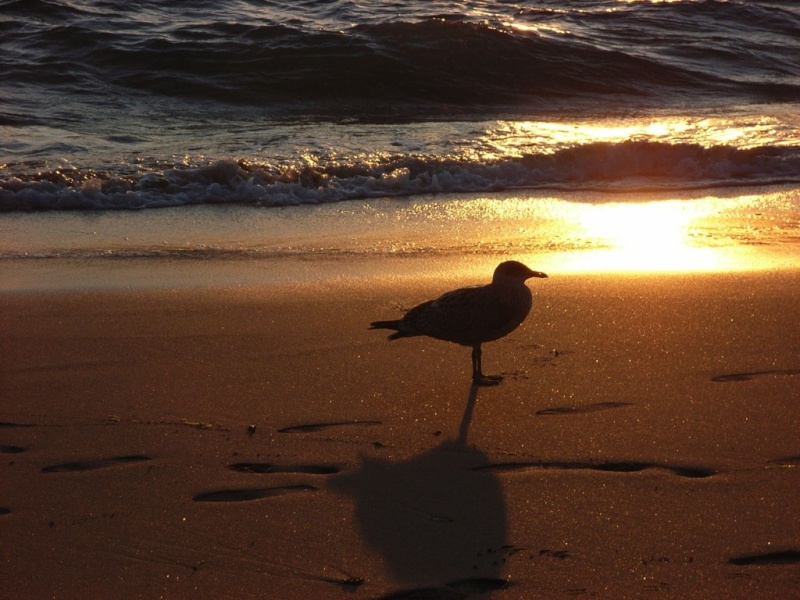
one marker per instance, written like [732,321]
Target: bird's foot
[481,379]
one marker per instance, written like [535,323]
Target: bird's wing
[464,316]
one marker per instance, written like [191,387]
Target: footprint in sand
[246,495]
[754,375]
[312,427]
[586,408]
[615,467]
[93,465]
[783,557]
[786,461]
[456,590]
[5,449]
[270,468]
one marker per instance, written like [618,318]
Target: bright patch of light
[516,138]
[651,236]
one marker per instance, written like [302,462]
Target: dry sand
[263,443]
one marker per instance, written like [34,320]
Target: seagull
[471,316]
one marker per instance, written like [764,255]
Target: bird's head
[514,271]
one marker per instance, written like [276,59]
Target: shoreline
[754,229]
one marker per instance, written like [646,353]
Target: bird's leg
[476,363]
[478,378]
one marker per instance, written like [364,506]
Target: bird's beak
[538,274]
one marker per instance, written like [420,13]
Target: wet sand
[261,442]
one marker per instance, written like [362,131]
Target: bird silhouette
[471,316]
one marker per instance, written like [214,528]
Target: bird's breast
[519,305]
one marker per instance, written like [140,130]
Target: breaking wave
[619,167]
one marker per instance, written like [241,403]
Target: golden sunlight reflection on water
[510,138]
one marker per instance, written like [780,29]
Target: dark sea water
[129,105]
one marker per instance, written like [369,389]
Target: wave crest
[619,167]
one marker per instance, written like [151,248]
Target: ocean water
[118,106]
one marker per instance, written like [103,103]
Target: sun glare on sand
[658,235]
[637,233]
[650,236]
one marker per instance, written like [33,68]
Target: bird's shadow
[432,518]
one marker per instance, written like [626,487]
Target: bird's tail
[385,325]
[394,325]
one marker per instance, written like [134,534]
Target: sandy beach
[205,205]
[261,442]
